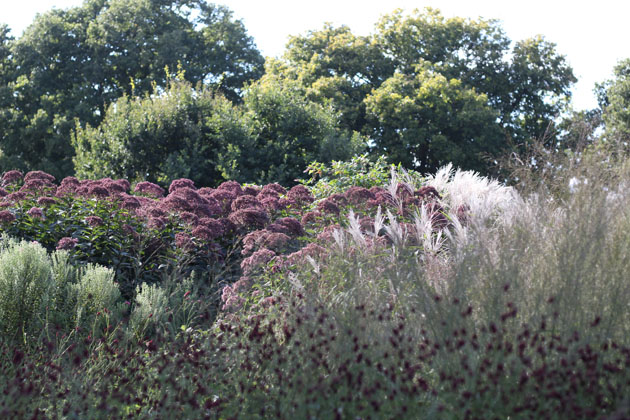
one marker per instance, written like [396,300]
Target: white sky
[593,35]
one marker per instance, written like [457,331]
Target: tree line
[155,90]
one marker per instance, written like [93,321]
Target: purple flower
[11,177]
[245,202]
[6,216]
[204,233]
[3,192]
[181,183]
[175,202]
[311,217]
[69,185]
[300,194]
[328,206]
[97,190]
[251,191]
[224,198]
[45,201]
[157,223]
[37,184]
[312,250]
[275,241]
[205,191]
[15,197]
[271,203]
[216,226]
[212,208]
[249,218]
[251,240]
[188,217]
[39,175]
[149,188]
[183,241]
[359,195]
[257,260]
[277,188]
[130,202]
[67,243]
[36,213]
[231,186]
[93,221]
[287,225]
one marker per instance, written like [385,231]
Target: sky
[592,35]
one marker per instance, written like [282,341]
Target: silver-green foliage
[25,286]
[95,292]
[150,308]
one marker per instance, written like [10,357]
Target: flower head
[149,188]
[6,216]
[67,243]
[11,177]
[36,213]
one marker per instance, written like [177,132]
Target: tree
[425,121]
[74,63]
[527,84]
[178,133]
[614,98]
[289,132]
[337,68]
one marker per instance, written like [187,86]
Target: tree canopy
[526,84]
[73,63]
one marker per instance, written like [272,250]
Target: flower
[188,217]
[359,195]
[157,222]
[45,201]
[6,216]
[257,260]
[204,233]
[251,217]
[149,188]
[244,202]
[181,183]
[93,221]
[39,175]
[67,243]
[300,194]
[11,177]
[277,188]
[328,206]
[36,185]
[97,190]
[183,241]
[36,213]
[231,186]
[287,225]
[251,191]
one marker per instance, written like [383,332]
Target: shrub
[25,288]
[96,294]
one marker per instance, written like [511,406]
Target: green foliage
[197,134]
[165,310]
[72,64]
[427,121]
[616,103]
[178,133]
[289,131]
[149,310]
[525,86]
[25,288]
[96,293]
[337,177]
